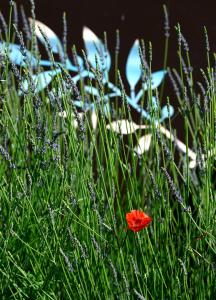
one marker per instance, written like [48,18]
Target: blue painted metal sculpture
[98,57]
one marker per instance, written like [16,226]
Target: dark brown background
[135,19]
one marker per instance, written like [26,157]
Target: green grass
[65,192]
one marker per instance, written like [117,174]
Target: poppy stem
[124,239]
[117,239]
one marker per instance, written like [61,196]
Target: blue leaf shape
[40,80]
[80,61]
[92,91]
[45,63]
[166,112]
[156,79]
[105,108]
[79,104]
[94,47]
[83,74]
[133,66]
[69,66]
[15,55]
[53,39]
[155,104]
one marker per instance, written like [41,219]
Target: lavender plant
[71,170]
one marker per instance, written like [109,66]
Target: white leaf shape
[143,144]
[53,39]
[63,114]
[94,119]
[192,164]
[181,146]
[124,126]
[133,65]
[156,79]
[94,47]
[75,122]
[40,80]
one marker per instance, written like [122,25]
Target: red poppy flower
[137,220]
